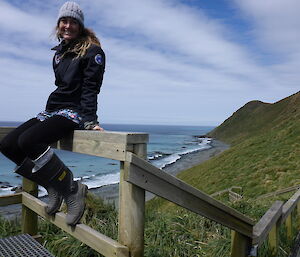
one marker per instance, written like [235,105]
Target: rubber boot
[55,199]
[75,202]
[58,176]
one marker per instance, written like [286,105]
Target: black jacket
[78,81]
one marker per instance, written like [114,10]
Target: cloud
[166,62]
[276,23]
[276,30]
[14,20]
[176,29]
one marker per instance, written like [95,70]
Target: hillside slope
[265,152]
[257,117]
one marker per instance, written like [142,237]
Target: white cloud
[166,62]
[176,29]
[276,22]
[34,27]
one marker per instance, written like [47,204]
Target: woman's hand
[92,125]
[98,128]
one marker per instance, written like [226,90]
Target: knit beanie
[71,9]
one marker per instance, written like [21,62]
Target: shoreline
[110,193]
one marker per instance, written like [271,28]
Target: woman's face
[69,28]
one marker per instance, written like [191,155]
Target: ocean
[166,146]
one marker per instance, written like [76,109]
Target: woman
[78,64]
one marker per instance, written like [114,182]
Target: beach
[110,193]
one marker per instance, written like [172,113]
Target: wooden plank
[152,179]
[137,138]
[298,215]
[112,136]
[226,190]
[220,192]
[111,145]
[29,218]
[232,239]
[273,239]
[240,245]
[132,209]
[279,192]
[233,196]
[4,131]
[289,227]
[267,222]
[99,242]
[289,206]
[10,199]
[115,151]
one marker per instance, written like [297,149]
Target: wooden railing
[137,176]
[232,196]
[279,192]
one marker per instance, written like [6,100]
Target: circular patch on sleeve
[98,59]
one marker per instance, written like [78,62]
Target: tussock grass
[9,227]
[172,232]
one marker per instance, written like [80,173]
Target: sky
[171,62]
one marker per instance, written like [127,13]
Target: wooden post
[240,245]
[232,238]
[298,215]
[132,209]
[289,227]
[274,239]
[29,217]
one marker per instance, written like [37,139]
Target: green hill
[257,117]
[265,152]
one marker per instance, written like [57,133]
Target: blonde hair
[82,43]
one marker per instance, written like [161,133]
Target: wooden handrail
[152,179]
[10,199]
[225,191]
[87,235]
[267,222]
[279,192]
[290,205]
[108,144]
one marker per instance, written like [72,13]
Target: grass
[9,227]
[171,231]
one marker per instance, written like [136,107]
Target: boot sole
[84,190]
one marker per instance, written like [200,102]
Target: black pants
[33,137]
